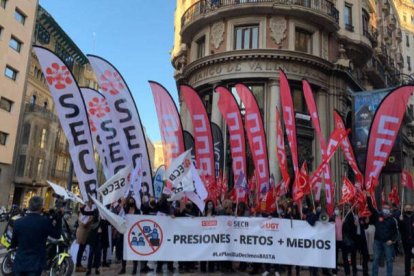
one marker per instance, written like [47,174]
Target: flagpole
[350,210]
[313,200]
[402,201]
[237,204]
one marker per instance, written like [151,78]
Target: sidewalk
[115,268]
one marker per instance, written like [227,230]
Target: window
[407,40]
[409,63]
[6,104]
[25,134]
[3,138]
[246,37]
[10,73]
[3,3]
[40,167]
[15,44]
[20,16]
[348,17]
[365,23]
[21,164]
[43,138]
[201,47]
[303,41]
[1,31]
[299,103]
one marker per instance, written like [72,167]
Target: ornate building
[340,47]
[42,147]
[17,20]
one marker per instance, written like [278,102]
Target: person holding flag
[406,226]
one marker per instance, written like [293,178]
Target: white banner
[126,119]
[116,187]
[73,118]
[65,193]
[258,240]
[179,174]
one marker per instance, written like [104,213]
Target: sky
[136,36]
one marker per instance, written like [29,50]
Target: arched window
[33,100]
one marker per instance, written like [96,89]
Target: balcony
[376,72]
[219,9]
[40,111]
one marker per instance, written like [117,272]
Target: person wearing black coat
[94,241]
[29,237]
[386,235]
[406,226]
[361,245]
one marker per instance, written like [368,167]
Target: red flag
[203,139]
[310,102]
[384,130]
[302,185]
[289,118]
[407,179]
[169,123]
[254,127]
[348,191]
[280,149]
[393,196]
[336,137]
[229,109]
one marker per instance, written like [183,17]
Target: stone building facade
[340,47]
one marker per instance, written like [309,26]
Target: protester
[339,241]
[105,226]
[94,240]
[386,234]
[406,226]
[209,211]
[130,208]
[84,226]
[360,244]
[29,237]
[292,213]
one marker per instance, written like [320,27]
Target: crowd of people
[371,238]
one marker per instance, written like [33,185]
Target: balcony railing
[42,111]
[206,6]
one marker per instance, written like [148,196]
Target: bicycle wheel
[7,264]
[64,269]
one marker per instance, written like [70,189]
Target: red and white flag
[384,131]
[169,122]
[289,118]
[348,191]
[329,185]
[393,196]
[407,179]
[253,124]
[202,136]
[229,109]
[281,154]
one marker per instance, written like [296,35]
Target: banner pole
[313,200]
[402,201]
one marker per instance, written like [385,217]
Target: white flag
[65,193]
[200,193]
[116,221]
[136,184]
[179,175]
[116,187]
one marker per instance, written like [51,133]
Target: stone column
[273,100]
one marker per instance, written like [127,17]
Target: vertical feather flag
[253,124]
[127,121]
[202,136]
[281,155]
[329,185]
[230,111]
[383,132]
[73,117]
[169,122]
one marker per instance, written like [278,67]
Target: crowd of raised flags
[108,121]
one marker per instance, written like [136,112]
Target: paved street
[115,268]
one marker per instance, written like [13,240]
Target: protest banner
[66,194]
[258,240]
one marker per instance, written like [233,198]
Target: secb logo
[145,237]
[237,224]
